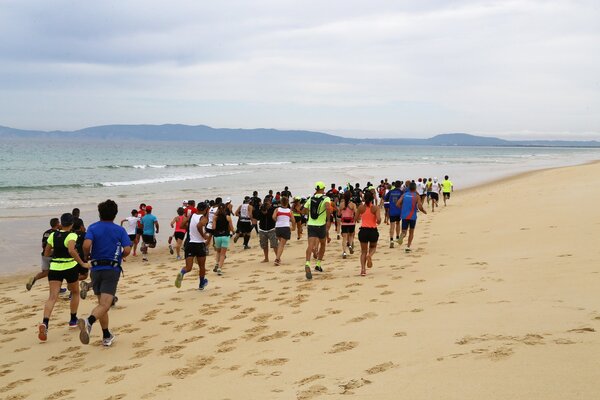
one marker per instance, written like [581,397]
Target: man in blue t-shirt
[150,226]
[105,245]
[392,197]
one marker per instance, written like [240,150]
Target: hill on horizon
[203,133]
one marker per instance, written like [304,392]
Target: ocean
[43,178]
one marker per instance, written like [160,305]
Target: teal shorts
[222,242]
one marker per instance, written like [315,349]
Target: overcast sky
[357,68]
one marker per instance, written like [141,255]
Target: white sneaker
[107,342]
[344,255]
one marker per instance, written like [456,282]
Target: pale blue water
[42,173]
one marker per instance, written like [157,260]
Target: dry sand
[499,300]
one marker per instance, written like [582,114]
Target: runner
[209,226]
[190,208]
[140,228]
[435,194]
[195,247]
[421,189]
[54,225]
[334,196]
[61,244]
[244,224]
[447,188]
[283,220]
[150,227]
[392,198]
[179,233]
[83,272]
[298,216]
[410,204]
[76,219]
[428,188]
[347,214]
[105,244]
[131,225]
[370,216]
[286,193]
[222,231]
[318,210]
[266,228]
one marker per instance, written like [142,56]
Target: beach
[498,300]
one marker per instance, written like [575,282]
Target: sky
[512,69]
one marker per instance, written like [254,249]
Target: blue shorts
[408,223]
[221,242]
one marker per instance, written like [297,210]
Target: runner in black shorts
[195,247]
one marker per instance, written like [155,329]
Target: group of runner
[70,251]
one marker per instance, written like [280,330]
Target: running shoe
[246,247]
[338,237]
[178,258]
[42,332]
[73,323]
[84,330]
[391,244]
[407,250]
[351,248]
[216,268]
[401,238]
[144,258]
[63,290]
[235,238]
[203,284]
[178,280]
[83,289]
[344,255]
[30,283]
[115,299]
[318,268]
[171,249]
[107,342]
[308,273]
[219,272]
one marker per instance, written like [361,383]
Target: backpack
[315,204]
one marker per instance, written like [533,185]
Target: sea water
[43,178]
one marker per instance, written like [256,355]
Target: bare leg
[411,233]
[364,249]
[54,289]
[279,251]
[74,288]
[178,247]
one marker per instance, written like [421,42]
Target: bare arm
[237,212]
[126,251]
[377,214]
[201,226]
[275,214]
[87,247]
[73,253]
[47,250]
[173,222]
[157,226]
[420,205]
[122,221]
[230,224]
[399,202]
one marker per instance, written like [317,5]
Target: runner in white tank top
[195,247]
[285,223]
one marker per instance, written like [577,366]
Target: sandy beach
[498,300]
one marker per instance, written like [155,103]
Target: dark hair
[368,198]
[191,202]
[180,211]
[347,196]
[134,212]
[446,177]
[412,187]
[77,224]
[75,212]
[142,205]
[108,210]
[255,193]
[218,200]
[54,222]
[66,219]
[202,206]
[285,201]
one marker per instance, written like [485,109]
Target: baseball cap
[228,200]
[185,202]
[148,208]
[320,185]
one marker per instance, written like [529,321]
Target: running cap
[320,185]
[297,198]
[148,208]
[228,200]
[67,219]
[202,206]
[185,202]
[435,179]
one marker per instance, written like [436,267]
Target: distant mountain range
[203,133]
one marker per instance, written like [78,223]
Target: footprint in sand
[14,384]
[399,334]
[363,317]
[582,330]
[386,292]
[124,367]
[380,368]
[117,396]
[142,353]
[353,384]
[415,310]
[272,362]
[170,349]
[309,379]
[59,394]
[500,353]
[311,392]
[276,335]
[114,379]
[218,329]
[342,346]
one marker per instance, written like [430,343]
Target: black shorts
[81,270]
[298,219]
[105,281]
[132,237]
[447,195]
[434,196]
[179,235]
[194,249]
[70,275]
[244,227]
[394,218]
[283,233]
[139,231]
[149,239]
[368,235]
[408,223]
[317,231]
[209,231]
[348,228]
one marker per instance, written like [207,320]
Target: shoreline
[27,271]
